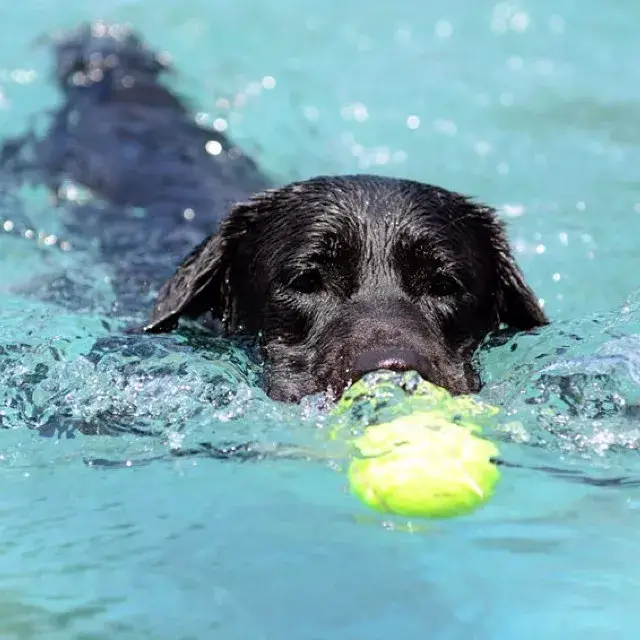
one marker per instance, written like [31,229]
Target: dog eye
[443,286]
[307,282]
[434,285]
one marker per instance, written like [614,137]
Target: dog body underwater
[333,276]
[123,134]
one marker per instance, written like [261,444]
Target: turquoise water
[530,106]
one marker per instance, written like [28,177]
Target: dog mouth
[333,375]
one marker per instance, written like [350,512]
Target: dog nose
[390,359]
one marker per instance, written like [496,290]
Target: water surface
[530,106]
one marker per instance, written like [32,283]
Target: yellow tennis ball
[423,465]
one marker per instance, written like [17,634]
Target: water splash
[573,388]
[73,377]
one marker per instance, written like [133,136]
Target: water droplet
[443,29]
[213,147]
[519,21]
[220,124]
[413,122]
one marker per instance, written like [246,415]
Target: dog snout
[392,359]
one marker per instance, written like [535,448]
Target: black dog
[342,276]
[336,276]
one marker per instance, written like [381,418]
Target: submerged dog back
[123,134]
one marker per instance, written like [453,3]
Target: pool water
[530,106]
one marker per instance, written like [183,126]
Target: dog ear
[196,287]
[517,304]
[204,280]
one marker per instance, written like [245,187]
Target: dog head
[341,276]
